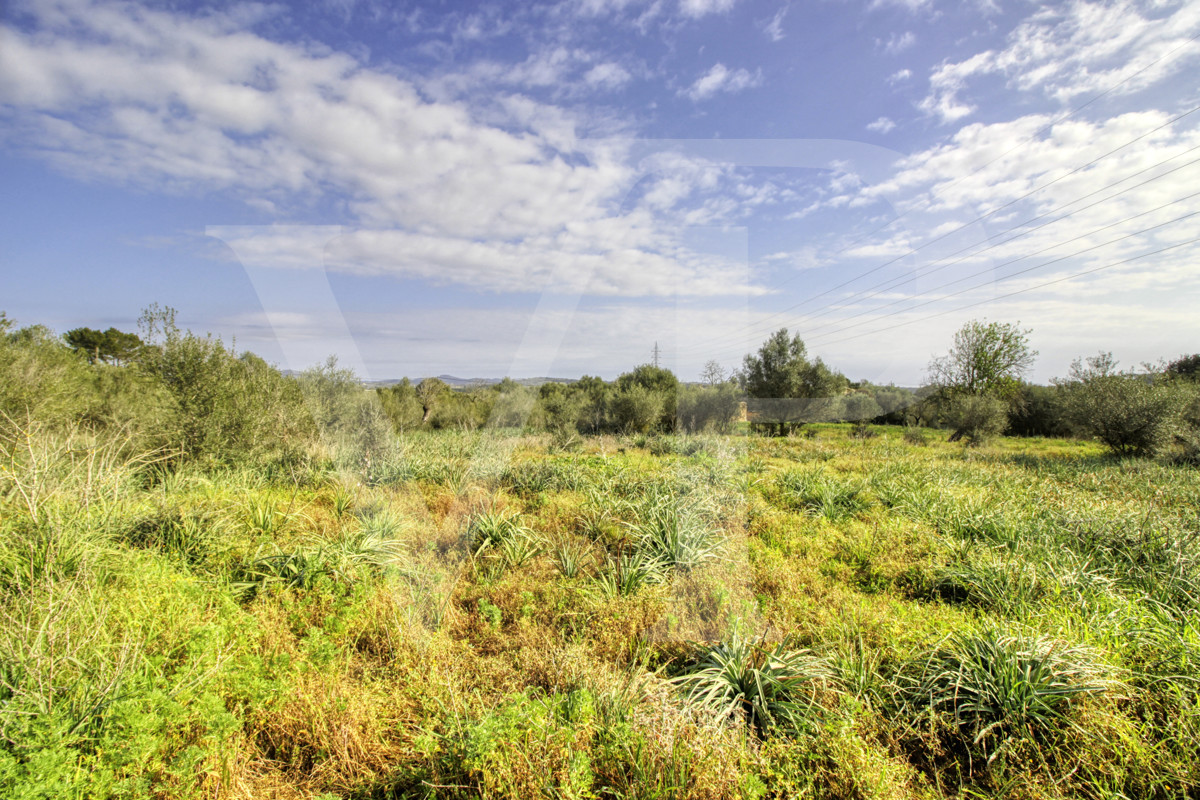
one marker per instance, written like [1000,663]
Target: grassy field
[480,615]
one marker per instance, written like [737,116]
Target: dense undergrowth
[485,615]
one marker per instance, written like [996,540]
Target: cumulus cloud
[1063,51]
[700,8]
[898,43]
[899,76]
[493,199]
[881,125]
[722,79]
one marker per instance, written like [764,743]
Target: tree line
[199,399]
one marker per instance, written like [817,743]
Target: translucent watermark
[686,528]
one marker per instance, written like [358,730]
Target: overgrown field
[482,615]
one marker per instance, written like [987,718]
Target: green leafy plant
[766,688]
[996,687]
[630,571]
[676,534]
[569,557]
[822,495]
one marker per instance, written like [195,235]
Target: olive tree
[786,388]
[1133,414]
[979,379]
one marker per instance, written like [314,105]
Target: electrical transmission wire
[933,195]
[758,325]
[1014,294]
[1010,275]
[949,260]
[813,332]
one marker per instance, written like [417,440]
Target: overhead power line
[1014,294]
[1010,275]
[934,194]
[758,325]
[948,260]
[813,331]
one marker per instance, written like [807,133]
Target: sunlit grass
[485,615]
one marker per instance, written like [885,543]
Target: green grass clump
[820,494]
[774,688]
[995,687]
[677,534]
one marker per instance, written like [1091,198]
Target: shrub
[1038,412]
[226,408]
[975,418]
[40,378]
[636,409]
[708,407]
[914,434]
[1134,415]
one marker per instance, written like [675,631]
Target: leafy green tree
[893,401]
[331,394]
[860,407]
[786,388]
[1185,367]
[595,417]
[110,346]
[514,405]
[974,418]
[1038,413]
[40,379]
[712,407]
[661,383]
[987,360]
[429,391]
[226,408]
[401,406]
[1133,414]
[636,409]
[561,408]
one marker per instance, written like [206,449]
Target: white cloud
[909,5]
[899,76]
[603,7]
[947,81]
[700,8]
[898,43]
[1057,218]
[502,197]
[1063,51]
[774,28]
[609,75]
[881,125]
[722,79]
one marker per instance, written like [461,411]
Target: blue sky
[482,190]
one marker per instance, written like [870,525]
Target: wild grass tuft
[629,572]
[995,687]
[677,534]
[822,495]
[776,688]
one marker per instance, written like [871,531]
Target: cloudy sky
[550,189]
